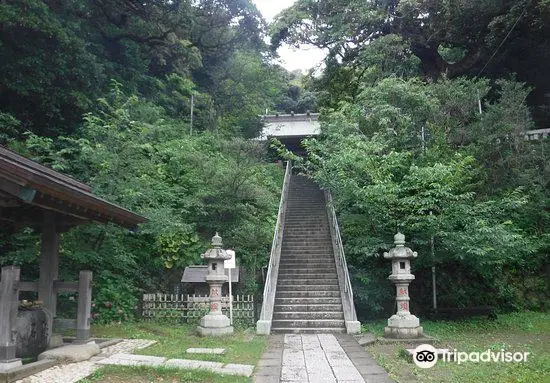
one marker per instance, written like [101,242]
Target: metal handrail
[351,315]
[273,270]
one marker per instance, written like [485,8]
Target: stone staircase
[308,297]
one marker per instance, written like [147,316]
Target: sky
[291,58]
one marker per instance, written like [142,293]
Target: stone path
[317,358]
[120,354]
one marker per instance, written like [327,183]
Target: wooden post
[9,297]
[84,306]
[49,263]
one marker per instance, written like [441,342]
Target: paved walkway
[317,358]
[121,354]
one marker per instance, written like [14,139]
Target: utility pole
[423,139]
[434,288]
[192,107]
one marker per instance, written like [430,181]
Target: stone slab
[217,351]
[424,339]
[269,362]
[193,364]
[322,378]
[215,331]
[346,373]
[25,370]
[270,371]
[266,379]
[237,369]
[133,360]
[71,353]
[365,339]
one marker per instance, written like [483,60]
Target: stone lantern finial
[217,241]
[399,239]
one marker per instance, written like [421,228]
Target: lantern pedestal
[212,325]
[403,327]
[215,322]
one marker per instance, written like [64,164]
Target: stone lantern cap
[216,252]
[400,251]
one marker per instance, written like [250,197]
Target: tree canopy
[448,38]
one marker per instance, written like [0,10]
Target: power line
[504,40]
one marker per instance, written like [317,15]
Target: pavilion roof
[28,189]
[290,125]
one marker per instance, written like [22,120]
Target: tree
[386,176]
[448,37]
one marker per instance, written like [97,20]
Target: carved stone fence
[190,308]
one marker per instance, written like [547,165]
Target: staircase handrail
[266,314]
[349,308]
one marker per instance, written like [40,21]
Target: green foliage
[370,40]
[385,176]
[57,58]
[188,186]
[114,299]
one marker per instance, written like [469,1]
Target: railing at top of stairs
[350,316]
[263,326]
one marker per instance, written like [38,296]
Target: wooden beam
[84,310]
[28,286]
[49,263]
[65,287]
[9,295]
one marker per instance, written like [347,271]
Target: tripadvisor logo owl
[425,356]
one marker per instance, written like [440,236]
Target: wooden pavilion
[33,195]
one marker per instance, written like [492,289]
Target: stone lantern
[215,322]
[402,324]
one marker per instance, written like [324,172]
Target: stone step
[300,288]
[313,268]
[308,323]
[305,263]
[306,228]
[313,307]
[297,245]
[312,260]
[286,268]
[304,270]
[307,330]
[309,281]
[306,238]
[308,315]
[302,276]
[305,250]
[309,301]
[308,257]
[288,262]
[310,221]
[307,293]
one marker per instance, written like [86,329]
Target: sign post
[229,264]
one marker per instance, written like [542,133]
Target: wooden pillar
[9,299]
[84,309]
[49,263]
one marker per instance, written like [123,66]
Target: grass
[243,347]
[119,374]
[526,331]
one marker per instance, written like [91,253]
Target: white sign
[230,263]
